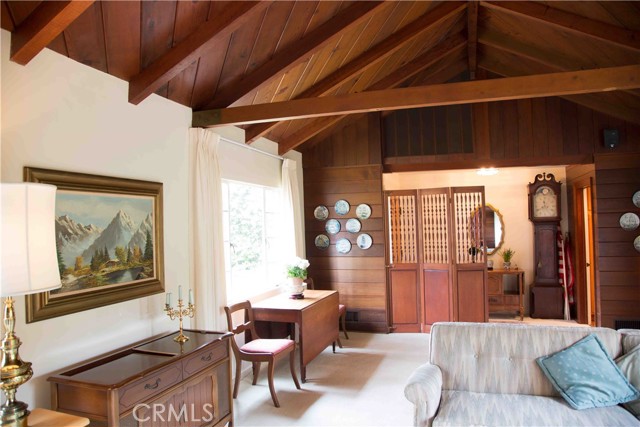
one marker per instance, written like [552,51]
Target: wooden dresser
[501,297]
[151,383]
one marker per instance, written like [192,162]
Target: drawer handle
[208,358]
[152,386]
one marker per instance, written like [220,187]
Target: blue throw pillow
[586,377]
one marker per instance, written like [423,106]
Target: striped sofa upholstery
[486,374]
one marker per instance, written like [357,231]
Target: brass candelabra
[180,312]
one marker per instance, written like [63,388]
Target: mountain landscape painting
[103,239]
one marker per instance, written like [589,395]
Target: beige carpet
[361,384]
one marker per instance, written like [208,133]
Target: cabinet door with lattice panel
[470,275]
[435,237]
[403,258]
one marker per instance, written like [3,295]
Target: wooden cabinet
[503,298]
[155,382]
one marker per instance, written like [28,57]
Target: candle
[179,292]
[168,302]
[190,296]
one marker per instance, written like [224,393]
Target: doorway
[585,261]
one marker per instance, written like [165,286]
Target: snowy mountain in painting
[74,238]
[118,233]
[140,237]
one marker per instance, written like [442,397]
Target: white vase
[296,285]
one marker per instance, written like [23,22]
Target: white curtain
[207,254]
[294,234]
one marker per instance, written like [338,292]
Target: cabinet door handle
[208,358]
[152,386]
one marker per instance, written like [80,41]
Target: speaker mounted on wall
[611,138]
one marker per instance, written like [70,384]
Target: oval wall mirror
[493,228]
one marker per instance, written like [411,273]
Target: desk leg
[303,368]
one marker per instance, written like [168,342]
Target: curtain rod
[248,147]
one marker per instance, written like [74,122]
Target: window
[252,238]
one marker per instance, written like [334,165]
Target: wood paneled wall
[617,178]
[526,132]
[348,166]
[531,132]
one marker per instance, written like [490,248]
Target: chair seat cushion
[273,346]
[463,408]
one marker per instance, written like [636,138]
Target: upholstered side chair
[257,350]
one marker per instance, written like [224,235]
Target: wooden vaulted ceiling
[263,65]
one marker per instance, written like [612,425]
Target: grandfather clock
[544,212]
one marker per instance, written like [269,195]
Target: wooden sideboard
[500,297]
[151,383]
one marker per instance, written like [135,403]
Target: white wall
[59,114]
[507,192]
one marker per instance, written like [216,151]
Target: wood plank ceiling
[214,56]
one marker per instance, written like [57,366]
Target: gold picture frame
[101,274]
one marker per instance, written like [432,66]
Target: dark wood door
[469,262]
[402,261]
[435,237]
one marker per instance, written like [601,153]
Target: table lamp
[29,265]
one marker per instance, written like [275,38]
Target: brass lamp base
[15,372]
[14,414]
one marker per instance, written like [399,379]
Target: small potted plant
[507,255]
[297,272]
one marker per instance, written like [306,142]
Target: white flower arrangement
[298,268]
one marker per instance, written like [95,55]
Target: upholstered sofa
[486,374]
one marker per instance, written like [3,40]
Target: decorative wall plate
[342,207]
[636,199]
[353,225]
[629,221]
[332,226]
[363,211]
[321,212]
[636,243]
[364,241]
[343,246]
[322,241]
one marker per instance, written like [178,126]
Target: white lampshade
[29,256]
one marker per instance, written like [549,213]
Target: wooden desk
[152,383]
[315,316]
[500,299]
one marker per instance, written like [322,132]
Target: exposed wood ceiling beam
[182,55]
[439,54]
[367,59]
[286,59]
[568,21]
[43,25]
[628,110]
[553,84]
[472,37]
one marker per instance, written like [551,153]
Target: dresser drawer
[495,299]
[204,358]
[150,385]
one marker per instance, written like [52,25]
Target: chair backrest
[247,324]
[309,282]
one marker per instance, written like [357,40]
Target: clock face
[545,203]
